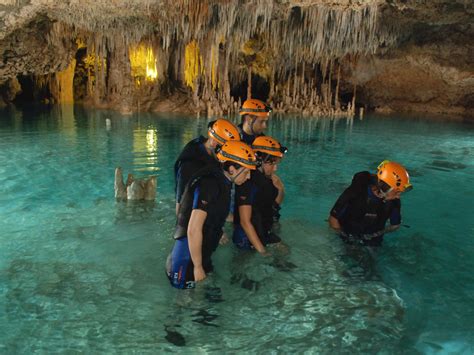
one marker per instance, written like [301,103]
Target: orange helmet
[394,175]
[222,131]
[238,152]
[256,108]
[268,145]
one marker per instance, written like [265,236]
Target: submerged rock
[134,189]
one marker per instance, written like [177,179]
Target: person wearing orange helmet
[361,212]
[201,152]
[258,200]
[254,119]
[203,211]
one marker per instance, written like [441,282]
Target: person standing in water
[361,212]
[201,152]
[254,120]
[258,200]
[203,211]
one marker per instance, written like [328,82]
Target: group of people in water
[232,173]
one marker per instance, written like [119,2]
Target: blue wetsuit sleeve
[205,194]
[395,215]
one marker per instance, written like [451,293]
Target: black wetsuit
[209,190]
[361,214]
[260,193]
[247,138]
[193,157]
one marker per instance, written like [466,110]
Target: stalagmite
[354,99]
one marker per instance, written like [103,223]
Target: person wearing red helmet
[201,152]
[361,212]
[203,211]
[254,115]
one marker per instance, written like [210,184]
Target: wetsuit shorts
[241,240]
[180,268]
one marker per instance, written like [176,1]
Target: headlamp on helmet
[255,107]
[269,145]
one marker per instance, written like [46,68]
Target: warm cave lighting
[143,64]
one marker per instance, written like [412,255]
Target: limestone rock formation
[318,57]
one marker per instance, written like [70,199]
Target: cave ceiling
[38,37]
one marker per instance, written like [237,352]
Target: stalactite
[249,82]
[354,98]
[318,34]
[329,87]
[336,97]
[192,65]
[62,88]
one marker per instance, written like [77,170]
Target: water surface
[81,272]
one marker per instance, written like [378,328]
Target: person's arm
[340,208]
[183,176]
[334,223]
[245,212]
[395,217]
[392,228]
[280,187]
[196,222]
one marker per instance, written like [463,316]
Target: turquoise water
[81,272]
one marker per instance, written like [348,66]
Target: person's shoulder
[245,187]
[362,178]
[259,178]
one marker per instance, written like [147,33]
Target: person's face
[270,166]
[240,175]
[259,124]
[392,195]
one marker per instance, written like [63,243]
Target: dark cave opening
[80,76]
[260,89]
[31,92]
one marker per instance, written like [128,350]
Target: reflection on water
[145,149]
[81,272]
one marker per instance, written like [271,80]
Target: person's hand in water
[199,273]
[224,239]
[282,248]
[264,252]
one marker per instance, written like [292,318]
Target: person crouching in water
[361,212]
[258,200]
[201,152]
[203,211]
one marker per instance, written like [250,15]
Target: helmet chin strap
[252,122]
[232,178]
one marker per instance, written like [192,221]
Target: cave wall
[310,56]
